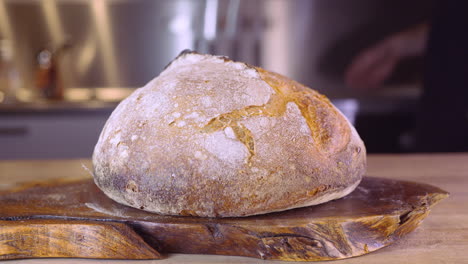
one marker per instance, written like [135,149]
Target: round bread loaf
[216,138]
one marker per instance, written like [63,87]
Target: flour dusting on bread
[213,137]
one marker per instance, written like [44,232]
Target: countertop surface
[76,100]
[441,238]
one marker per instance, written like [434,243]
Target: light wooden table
[442,237]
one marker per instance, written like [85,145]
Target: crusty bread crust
[215,138]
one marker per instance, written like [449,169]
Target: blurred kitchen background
[65,64]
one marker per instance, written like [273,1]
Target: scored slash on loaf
[212,137]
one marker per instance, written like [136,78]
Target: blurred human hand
[374,65]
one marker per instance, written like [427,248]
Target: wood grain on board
[63,218]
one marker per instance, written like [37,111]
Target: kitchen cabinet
[67,131]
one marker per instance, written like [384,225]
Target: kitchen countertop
[441,238]
[76,100]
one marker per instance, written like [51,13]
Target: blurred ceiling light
[5,25]
[210,20]
[100,10]
[87,55]
[180,24]
[277,35]
[50,10]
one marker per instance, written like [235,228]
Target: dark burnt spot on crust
[142,123]
[188,213]
[317,190]
[139,97]
[131,186]
[181,54]
[357,151]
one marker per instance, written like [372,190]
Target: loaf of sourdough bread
[212,137]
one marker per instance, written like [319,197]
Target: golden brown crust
[212,137]
[329,129]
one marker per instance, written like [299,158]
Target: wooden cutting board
[75,219]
